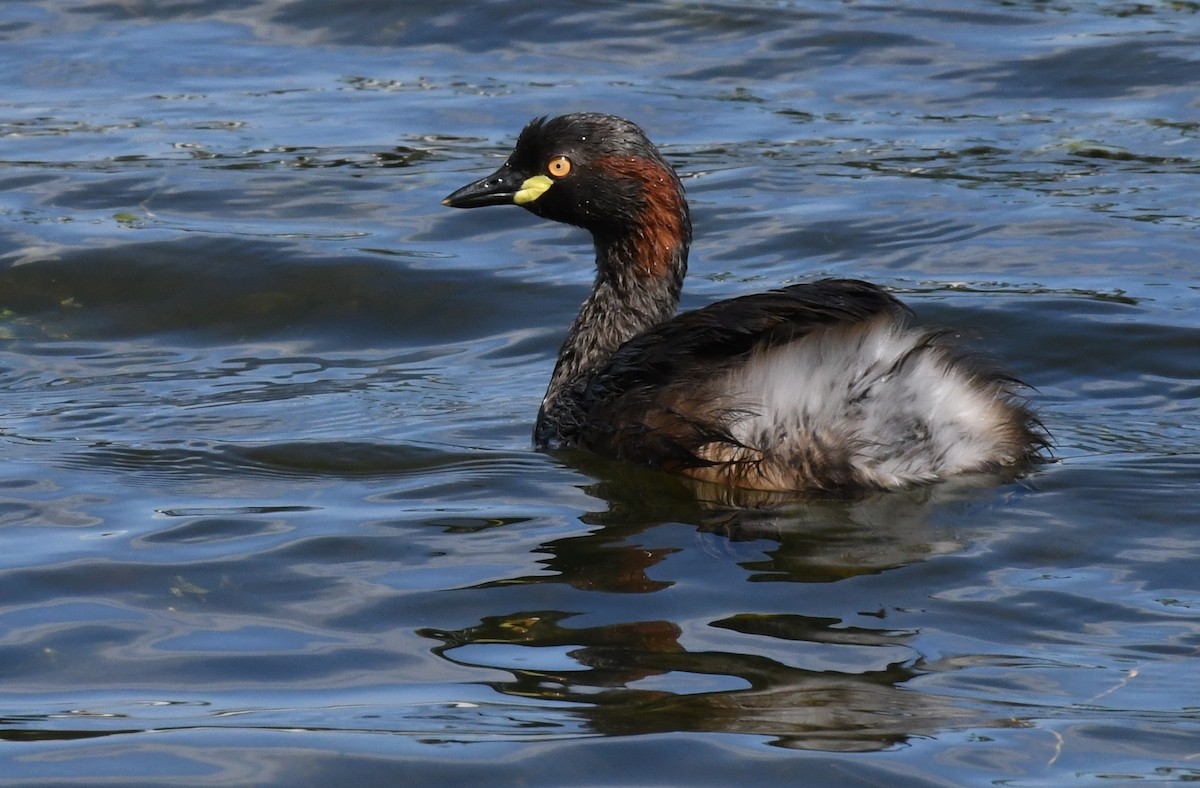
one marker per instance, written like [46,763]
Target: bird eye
[559,167]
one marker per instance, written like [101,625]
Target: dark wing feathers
[649,405]
[730,329]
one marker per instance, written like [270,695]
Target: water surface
[268,511]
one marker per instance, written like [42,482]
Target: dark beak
[499,188]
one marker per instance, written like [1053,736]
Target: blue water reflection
[268,511]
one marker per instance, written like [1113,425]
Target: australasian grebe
[811,387]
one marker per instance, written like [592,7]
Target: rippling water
[268,512]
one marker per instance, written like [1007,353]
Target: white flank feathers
[877,392]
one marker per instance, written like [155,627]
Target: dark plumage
[811,387]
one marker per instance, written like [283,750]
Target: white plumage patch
[882,399]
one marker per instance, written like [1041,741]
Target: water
[268,512]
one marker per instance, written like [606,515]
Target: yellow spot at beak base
[531,189]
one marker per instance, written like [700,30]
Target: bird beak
[505,186]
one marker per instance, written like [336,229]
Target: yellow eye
[559,167]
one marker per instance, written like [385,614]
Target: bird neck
[637,287]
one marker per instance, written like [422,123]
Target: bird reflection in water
[637,677]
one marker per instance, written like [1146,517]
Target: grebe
[813,387]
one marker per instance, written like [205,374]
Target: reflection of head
[626,677]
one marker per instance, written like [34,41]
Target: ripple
[268,509]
